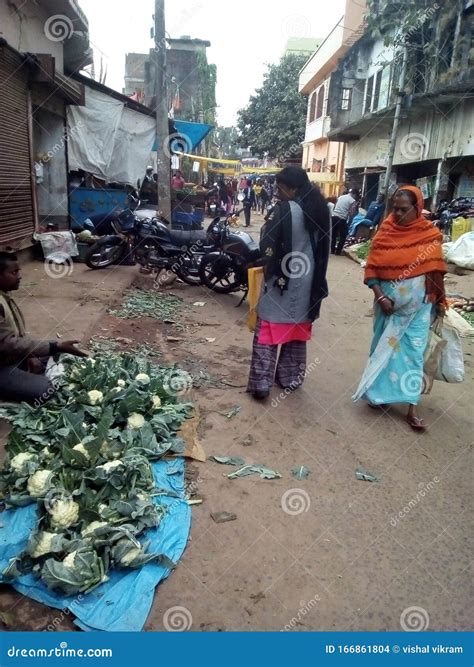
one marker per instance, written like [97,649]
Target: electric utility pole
[162,127]
[396,121]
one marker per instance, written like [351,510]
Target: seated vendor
[22,358]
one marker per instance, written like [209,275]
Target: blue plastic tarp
[189,135]
[121,604]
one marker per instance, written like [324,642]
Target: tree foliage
[226,140]
[274,120]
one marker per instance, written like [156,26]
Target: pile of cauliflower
[93,481]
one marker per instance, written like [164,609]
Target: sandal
[416,423]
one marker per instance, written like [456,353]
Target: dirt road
[327,552]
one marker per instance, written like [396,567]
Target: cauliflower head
[156,402]
[18,461]
[143,378]
[95,396]
[80,448]
[135,420]
[64,513]
[44,544]
[39,483]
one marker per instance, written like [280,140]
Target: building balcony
[318,129]
[344,34]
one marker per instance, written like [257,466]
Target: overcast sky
[244,36]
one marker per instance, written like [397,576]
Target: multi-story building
[435,144]
[191,79]
[40,46]
[301,46]
[323,158]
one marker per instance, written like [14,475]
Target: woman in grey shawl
[295,249]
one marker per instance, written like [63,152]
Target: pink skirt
[275,333]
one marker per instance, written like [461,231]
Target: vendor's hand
[35,366]
[69,347]
[387,306]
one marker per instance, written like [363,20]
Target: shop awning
[188,135]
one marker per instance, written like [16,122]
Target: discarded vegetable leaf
[365,476]
[254,469]
[300,472]
[223,517]
[228,460]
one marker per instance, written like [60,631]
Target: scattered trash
[58,335]
[199,303]
[211,340]
[195,501]
[248,441]
[169,321]
[256,597]
[223,517]
[228,460]
[173,339]
[300,472]
[125,341]
[232,412]
[365,476]
[255,468]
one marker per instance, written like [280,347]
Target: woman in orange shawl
[405,269]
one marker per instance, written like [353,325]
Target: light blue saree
[394,372]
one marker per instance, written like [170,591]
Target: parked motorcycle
[224,270]
[153,245]
[450,210]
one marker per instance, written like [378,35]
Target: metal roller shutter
[17,219]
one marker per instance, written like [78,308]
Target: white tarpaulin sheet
[133,143]
[108,140]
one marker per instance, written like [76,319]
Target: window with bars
[346,98]
[369,94]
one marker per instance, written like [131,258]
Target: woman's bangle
[381,298]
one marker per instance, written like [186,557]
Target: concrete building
[39,46]
[435,144]
[323,159]
[191,79]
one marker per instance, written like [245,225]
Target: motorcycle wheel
[104,253]
[189,273]
[218,274]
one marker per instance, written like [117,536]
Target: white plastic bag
[57,246]
[451,364]
[461,252]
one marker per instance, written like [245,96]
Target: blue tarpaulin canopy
[188,135]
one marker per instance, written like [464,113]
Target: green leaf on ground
[300,472]
[228,460]
[365,476]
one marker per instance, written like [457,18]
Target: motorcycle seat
[184,237]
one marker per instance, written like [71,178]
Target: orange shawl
[401,252]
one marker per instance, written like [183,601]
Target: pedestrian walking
[249,201]
[405,269]
[295,249]
[340,216]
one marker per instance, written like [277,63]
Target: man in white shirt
[340,216]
